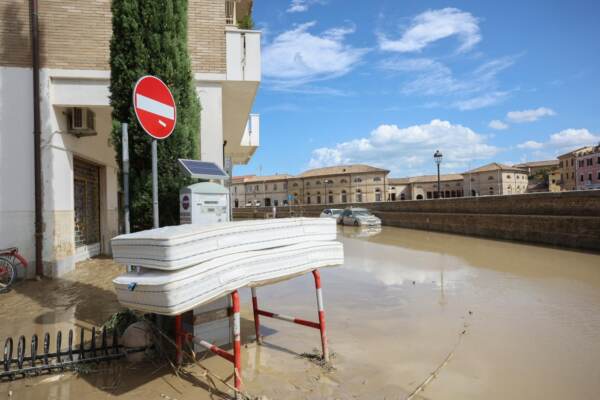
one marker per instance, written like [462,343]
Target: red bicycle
[10,259]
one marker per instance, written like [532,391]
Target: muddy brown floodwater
[494,320]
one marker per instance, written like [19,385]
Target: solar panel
[202,169]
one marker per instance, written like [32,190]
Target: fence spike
[58,346]
[81,344]
[21,351]
[34,348]
[70,344]
[8,351]
[46,347]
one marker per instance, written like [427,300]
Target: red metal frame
[236,357]
[316,325]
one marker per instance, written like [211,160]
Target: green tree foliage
[150,38]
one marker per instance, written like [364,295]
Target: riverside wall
[567,219]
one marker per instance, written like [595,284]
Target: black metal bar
[70,343]
[82,345]
[34,348]
[58,346]
[46,347]
[21,351]
[8,351]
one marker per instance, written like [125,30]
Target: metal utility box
[207,203]
[203,203]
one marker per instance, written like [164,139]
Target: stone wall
[569,219]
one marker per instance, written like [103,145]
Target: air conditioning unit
[82,121]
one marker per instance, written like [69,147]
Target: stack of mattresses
[186,266]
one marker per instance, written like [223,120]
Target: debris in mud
[119,321]
[317,358]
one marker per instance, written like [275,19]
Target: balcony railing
[252,132]
[230,12]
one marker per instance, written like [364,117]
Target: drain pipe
[37,142]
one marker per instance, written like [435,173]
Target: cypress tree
[150,38]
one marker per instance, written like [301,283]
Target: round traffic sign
[154,107]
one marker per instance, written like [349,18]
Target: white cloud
[409,151]
[434,25]
[529,115]
[563,141]
[302,5]
[530,145]
[297,56]
[432,78]
[481,101]
[573,138]
[498,125]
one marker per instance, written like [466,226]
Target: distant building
[539,174]
[495,179]
[588,169]
[259,191]
[425,187]
[534,167]
[568,168]
[554,181]
[355,183]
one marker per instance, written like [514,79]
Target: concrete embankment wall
[569,219]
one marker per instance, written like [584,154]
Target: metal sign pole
[155,183]
[125,155]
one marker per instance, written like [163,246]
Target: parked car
[331,213]
[358,217]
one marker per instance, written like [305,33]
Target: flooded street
[494,320]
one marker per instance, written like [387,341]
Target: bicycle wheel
[7,274]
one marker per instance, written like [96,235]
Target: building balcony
[242,153]
[243,74]
[242,54]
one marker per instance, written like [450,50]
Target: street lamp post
[438,160]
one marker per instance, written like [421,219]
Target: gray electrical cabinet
[204,203]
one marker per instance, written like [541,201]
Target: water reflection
[360,231]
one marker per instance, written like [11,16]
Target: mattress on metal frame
[174,292]
[181,246]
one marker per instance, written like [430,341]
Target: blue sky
[387,82]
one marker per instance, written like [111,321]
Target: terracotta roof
[546,163]
[433,178]
[398,181]
[254,178]
[341,169]
[494,167]
[573,152]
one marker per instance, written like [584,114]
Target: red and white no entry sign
[154,107]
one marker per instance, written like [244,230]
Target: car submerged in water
[358,217]
[331,213]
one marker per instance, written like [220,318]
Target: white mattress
[181,246]
[174,292]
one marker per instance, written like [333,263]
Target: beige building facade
[329,185]
[425,187]
[495,179]
[79,172]
[567,165]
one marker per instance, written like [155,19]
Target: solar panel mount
[202,169]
